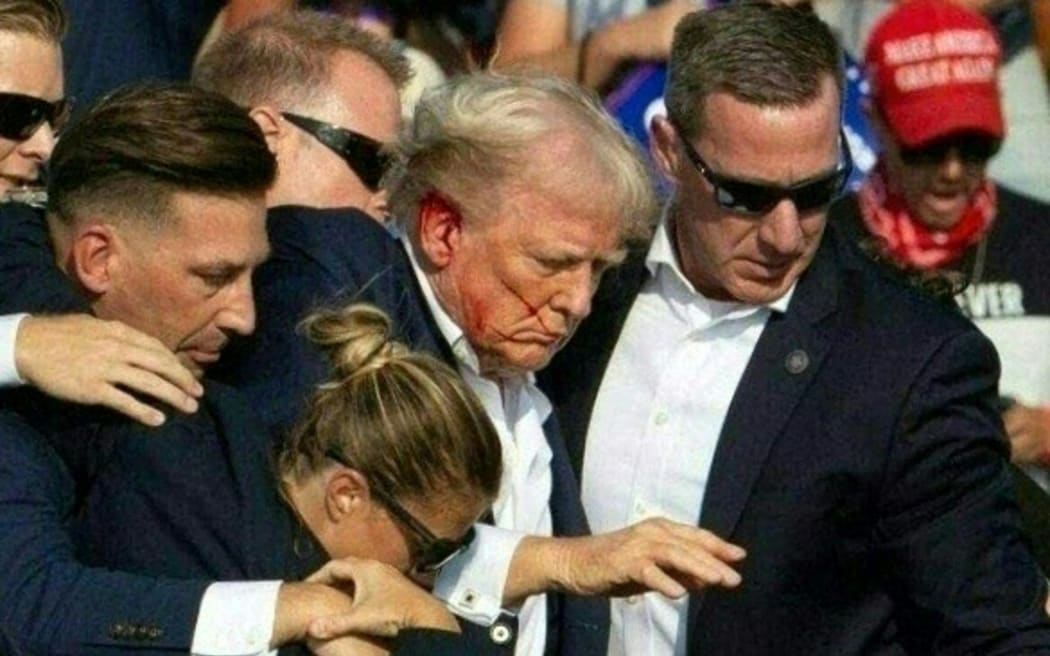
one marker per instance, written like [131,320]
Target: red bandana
[909,241]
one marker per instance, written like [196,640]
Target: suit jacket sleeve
[948,526]
[29,279]
[51,604]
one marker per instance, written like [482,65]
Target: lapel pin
[797,361]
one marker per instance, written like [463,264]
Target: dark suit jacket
[330,257]
[861,464]
[192,501]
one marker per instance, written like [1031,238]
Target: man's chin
[518,360]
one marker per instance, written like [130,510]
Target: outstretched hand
[87,360]
[656,554]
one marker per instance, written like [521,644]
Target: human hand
[87,360]
[384,602]
[349,646]
[1028,428]
[655,554]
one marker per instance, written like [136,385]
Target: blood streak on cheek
[477,316]
[532,311]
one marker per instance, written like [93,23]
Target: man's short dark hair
[43,19]
[764,54]
[130,151]
[285,59]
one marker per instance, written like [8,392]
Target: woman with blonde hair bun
[395,458]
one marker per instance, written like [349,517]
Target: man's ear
[440,229]
[664,148]
[274,128]
[346,494]
[94,258]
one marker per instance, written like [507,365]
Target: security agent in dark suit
[789,397]
[157,215]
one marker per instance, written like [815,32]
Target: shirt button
[661,418]
[633,599]
[500,633]
[640,509]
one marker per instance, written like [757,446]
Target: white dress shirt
[656,421]
[472,584]
[8,334]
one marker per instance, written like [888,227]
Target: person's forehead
[29,65]
[366,100]
[778,145]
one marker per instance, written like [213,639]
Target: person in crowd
[587,40]
[505,252]
[930,209]
[752,372]
[1025,94]
[77,358]
[157,206]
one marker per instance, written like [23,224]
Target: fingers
[153,385]
[128,405]
[679,556]
[337,571]
[360,620]
[706,540]
[695,567]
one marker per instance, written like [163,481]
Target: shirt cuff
[236,619]
[8,336]
[471,585]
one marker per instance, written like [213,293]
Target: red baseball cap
[933,68]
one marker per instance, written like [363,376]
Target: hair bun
[355,338]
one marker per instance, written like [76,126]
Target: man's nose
[781,229]
[239,313]
[574,299]
[39,145]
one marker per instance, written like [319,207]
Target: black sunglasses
[433,552]
[22,115]
[755,198]
[972,148]
[363,155]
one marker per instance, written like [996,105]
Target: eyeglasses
[972,148]
[22,115]
[433,552]
[755,198]
[363,155]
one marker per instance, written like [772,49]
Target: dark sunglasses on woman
[21,115]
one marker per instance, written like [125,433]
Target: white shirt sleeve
[472,583]
[8,334]
[236,619]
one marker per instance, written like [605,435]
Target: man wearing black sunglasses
[929,208]
[754,373]
[326,96]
